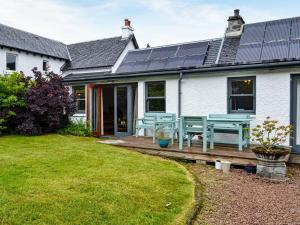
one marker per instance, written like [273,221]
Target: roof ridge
[182,43]
[94,40]
[1,24]
[267,21]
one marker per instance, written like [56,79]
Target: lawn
[56,179]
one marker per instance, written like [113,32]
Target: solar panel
[164,52]
[278,30]
[140,66]
[140,55]
[253,33]
[192,49]
[248,53]
[157,64]
[173,63]
[275,50]
[194,60]
[295,33]
[125,67]
[294,52]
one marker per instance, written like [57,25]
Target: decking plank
[145,145]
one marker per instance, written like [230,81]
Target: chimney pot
[127,30]
[236,12]
[127,22]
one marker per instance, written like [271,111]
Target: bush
[76,128]
[270,135]
[48,105]
[34,106]
[13,89]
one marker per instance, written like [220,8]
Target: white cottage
[253,69]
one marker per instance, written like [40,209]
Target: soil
[242,198]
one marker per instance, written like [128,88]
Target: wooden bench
[156,121]
[189,126]
[232,123]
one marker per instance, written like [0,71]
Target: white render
[27,61]
[203,94]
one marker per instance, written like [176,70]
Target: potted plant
[163,139]
[270,153]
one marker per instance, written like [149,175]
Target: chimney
[235,24]
[127,30]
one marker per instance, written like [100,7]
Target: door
[95,110]
[123,110]
[295,94]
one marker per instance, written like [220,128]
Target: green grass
[56,179]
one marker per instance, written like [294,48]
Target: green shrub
[76,128]
[13,88]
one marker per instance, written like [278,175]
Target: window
[11,61]
[79,95]
[45,65]
[155,97]
[241,95]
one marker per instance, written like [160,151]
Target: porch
[195,153]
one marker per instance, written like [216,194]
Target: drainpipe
[179,93]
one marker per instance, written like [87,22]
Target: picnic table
[155,121]
[231,123]
[215,123]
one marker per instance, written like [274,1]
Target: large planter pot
[163,142]
[271,164]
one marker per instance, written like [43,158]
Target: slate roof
[229,50]
[14,38]
[94,54]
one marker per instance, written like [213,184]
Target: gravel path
[240,198]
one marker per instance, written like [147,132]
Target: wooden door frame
[98,130]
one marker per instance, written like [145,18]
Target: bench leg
[212,144]
[247,133]
[204,141]
[189,139]
[240,138]
[137,132]
[180,137]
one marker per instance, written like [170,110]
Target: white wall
[203,94]
[27,61]
[207,94]
[172,96]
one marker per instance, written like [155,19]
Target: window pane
[45,65]
[122,109]
[79,95]
[242,103]
[156,105]
[11,61]
[156,89]
[242,86]
[80,106]
[79,92]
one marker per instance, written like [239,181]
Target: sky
[157,22]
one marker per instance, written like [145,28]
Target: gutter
[179,93]
[186,70]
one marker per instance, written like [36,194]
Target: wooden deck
[145,145]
